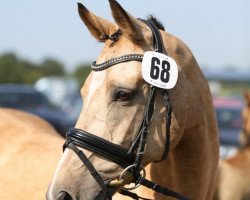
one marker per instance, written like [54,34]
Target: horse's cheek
[122,119]
[114,118]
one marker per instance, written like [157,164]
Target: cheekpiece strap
[117,60]
[162,190]
[157,36]
[91,168]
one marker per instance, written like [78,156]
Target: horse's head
[114,103]
[245,136]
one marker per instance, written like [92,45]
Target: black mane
[156,22]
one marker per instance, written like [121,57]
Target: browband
[117,60]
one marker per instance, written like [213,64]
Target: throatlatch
[131,158]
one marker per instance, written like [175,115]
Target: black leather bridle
[126,158]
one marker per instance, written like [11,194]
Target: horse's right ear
[247,97]
[129,24]
[97,26]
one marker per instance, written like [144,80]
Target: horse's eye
[123,95]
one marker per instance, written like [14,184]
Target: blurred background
[46,51]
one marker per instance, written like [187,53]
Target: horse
[120,108]
[234,172]
[29,154]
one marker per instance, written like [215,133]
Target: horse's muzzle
[64,196]
[61,196]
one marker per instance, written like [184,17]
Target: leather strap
[143,131]
[157,39]
[101,147]
[90,167]
[169,108]
[132,195]
[162,190]
[117,60]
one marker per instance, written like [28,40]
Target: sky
[217,31]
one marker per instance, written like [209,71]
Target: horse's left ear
[97,26]
[135,28]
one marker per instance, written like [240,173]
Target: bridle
[129,159]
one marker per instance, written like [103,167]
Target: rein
[129,159]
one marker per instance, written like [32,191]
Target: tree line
[17,70]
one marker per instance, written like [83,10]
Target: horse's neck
[188,166]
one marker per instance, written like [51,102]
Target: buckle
[138,182]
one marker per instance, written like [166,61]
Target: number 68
[157,71]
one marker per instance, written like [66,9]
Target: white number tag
[159,70]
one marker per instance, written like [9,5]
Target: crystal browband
[117,60]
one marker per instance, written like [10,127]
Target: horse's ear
[127,22]
[247,97]
[97,26]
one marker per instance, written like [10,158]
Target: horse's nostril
[64,196]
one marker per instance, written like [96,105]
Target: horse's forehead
[123,74]
[95,81]
[126,75]
[121,47]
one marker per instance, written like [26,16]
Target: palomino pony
[234,172]
[121,108]
[30,149]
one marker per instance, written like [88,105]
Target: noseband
[129,159]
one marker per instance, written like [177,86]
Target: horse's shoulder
[30,148]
